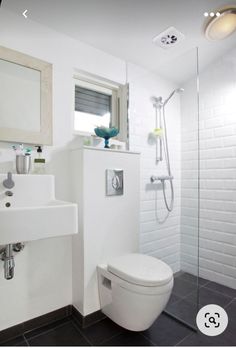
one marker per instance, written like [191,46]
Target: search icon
[212,320]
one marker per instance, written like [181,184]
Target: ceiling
[125,28]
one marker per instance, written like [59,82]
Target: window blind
[92,102]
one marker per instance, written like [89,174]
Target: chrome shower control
[153,178]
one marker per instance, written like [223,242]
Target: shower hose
[169,206]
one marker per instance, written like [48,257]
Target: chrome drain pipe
[7,256]
[9,263]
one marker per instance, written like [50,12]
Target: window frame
[119,102]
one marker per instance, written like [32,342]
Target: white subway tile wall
[159,233]
[217,174]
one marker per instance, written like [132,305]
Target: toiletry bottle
[39,162]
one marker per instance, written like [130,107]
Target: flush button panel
[114,182]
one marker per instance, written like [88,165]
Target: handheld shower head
[177,90]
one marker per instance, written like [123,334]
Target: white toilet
[134,289]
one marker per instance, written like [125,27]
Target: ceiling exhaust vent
[168,38]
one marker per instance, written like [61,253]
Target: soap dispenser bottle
[39,161]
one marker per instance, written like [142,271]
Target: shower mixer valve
[161,178]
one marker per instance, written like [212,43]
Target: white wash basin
[34,213]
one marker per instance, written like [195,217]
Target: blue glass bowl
[106,134]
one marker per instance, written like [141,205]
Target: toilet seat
[141,270]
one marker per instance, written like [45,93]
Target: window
[99,103]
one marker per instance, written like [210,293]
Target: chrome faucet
[8,183]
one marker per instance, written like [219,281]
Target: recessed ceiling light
[206,14]
[221,26]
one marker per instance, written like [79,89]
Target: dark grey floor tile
[166,331]
[11,332]
[183,288]
[231,311]
[193,279]
[198,339]
[184,310]
[231,329]
[66,335]
[18,341]
[222,289]
[173,299]
[101,331]
[177,274]
[127,339]
[207,296]
[227,338]
[46,328]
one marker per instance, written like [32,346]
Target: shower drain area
[168,38]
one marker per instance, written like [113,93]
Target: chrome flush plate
[114,182]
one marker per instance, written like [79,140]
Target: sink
[32,212]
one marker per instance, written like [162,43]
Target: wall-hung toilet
[134,289]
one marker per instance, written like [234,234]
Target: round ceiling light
[221,26]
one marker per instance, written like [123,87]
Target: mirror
[25,98]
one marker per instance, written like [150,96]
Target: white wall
[43,279]
[109,225]
[66,55]
[159,239]
[39,277]
[218,175]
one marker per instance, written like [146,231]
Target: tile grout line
[192,282]
[230,303]
[181,321]
[76,326]
[218,292]
[44,332]
[25,339]
[205,287]
[193,302]
[115,335]
[183,339]
[148,339]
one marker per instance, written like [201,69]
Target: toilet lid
[141,269]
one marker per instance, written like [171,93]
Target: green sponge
[158,132]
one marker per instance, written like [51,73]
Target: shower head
[177,90]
